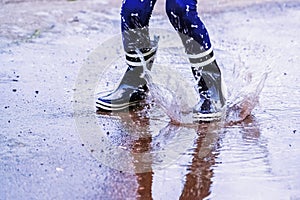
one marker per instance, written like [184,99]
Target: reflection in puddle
[177,154]
[180,161]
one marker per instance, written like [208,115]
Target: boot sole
[106,107]
[103,106]
[209,117]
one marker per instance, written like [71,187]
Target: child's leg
[135,16]
[183,16]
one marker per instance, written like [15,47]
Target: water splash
[245,82]
[241,106]
[176,96]
[171,92]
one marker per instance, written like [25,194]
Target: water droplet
[59,169]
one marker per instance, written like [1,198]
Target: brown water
[51,148]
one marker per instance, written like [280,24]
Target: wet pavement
[51,150]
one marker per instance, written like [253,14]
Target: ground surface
[43,46]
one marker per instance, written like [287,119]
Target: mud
[43,47]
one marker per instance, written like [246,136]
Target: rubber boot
[209,87]
[133,87]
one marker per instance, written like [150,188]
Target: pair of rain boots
[133,87]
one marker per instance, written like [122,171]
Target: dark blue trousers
[135,16]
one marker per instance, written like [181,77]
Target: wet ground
[50,149]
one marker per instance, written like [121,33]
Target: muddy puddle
[55,146]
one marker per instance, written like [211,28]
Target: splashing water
[241,106]
[171,92]
[245,84]
[176,96]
